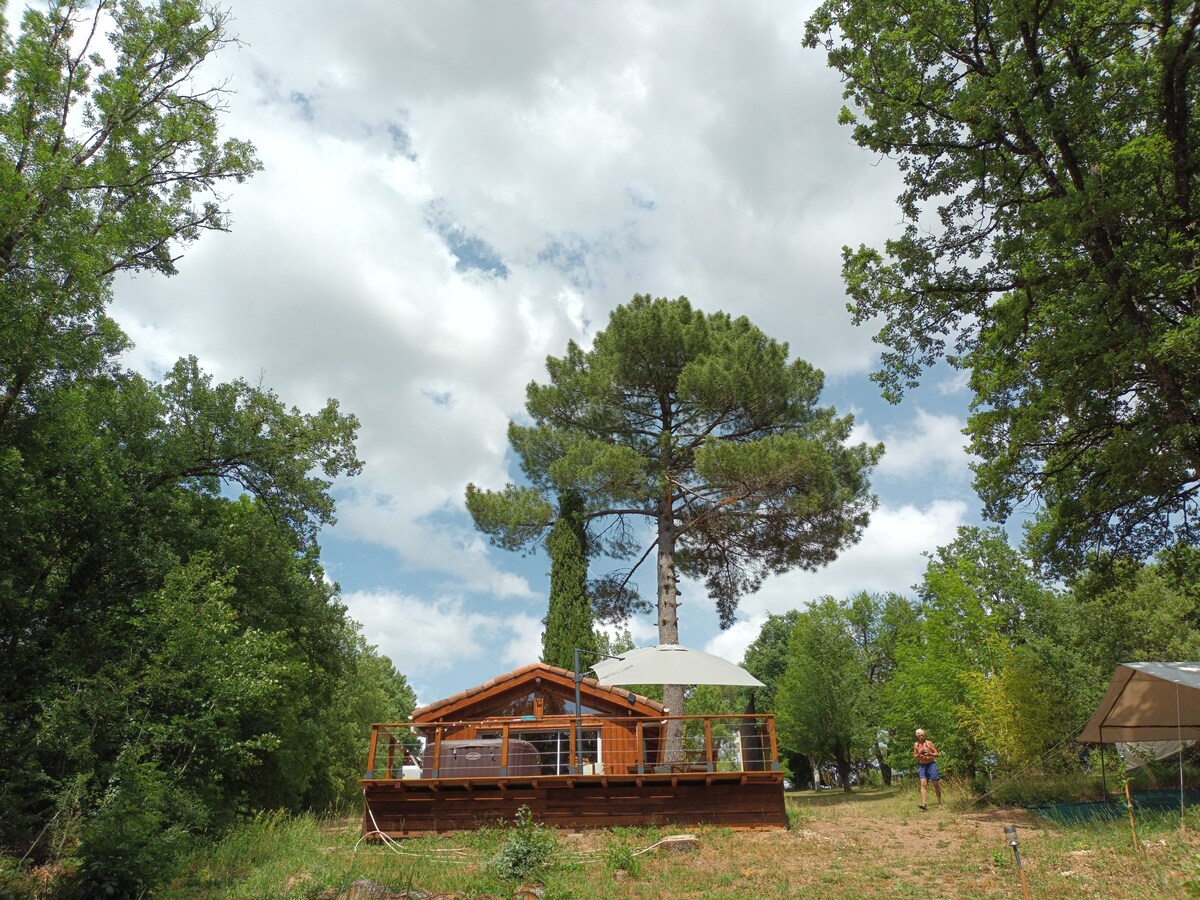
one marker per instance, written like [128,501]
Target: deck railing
[710,744]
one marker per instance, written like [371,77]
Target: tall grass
[839,848]
[303,857]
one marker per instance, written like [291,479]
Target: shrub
[134,839]
[528,847]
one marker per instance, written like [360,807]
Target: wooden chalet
[518,740]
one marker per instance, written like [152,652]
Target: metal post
[1103,771]
[578,716]
[1010,831]
[1179,741]
[578,768]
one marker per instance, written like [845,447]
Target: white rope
[1033,765]
[460,852]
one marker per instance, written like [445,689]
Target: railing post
[371,752]
[775,766]
[641,749]
[708,744]
[575,752]
[437,750]
[504,751]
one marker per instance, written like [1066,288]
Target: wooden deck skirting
[739,800]
[736,784]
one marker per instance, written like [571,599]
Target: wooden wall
[400,809]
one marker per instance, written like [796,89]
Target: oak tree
[171,652]
[1050,245]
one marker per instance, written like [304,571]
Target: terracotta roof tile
[523,674]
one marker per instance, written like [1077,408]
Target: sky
[451,192]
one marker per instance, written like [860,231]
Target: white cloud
[956,383]
[526,644]
[731,644]
[928,444]
[889,558]
[430,639]
[586,151]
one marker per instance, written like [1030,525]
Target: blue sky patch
[439,398]
[570,254]
[401,140]
[471,252]
[303,104]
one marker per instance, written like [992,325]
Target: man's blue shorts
[928,771]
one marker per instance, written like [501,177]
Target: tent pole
[1103,774]
[1179,741]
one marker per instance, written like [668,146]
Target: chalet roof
[589,687]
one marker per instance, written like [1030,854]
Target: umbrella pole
[578,761]
[578,716]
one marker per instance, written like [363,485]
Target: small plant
[798,815]
[528,847]
[623,856]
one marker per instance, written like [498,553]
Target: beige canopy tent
[1149,702]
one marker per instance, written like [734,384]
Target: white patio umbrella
[671,664]
[661,664]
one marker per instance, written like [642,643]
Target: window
[512,708]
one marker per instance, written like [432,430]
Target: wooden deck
[741,800]
[726,775]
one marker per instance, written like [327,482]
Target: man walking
[926,756]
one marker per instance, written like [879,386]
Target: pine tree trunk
[668,624]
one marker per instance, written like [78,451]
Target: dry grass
[873,843]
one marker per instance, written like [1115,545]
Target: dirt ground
[888,846]
[947,853]
[874,843]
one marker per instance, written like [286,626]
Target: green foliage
[1050,190]
[767,657]
[621,853]
[988,665]
[369,689]
[528,848]
[823,699]
[699,425]
[103,169]
[172,651]
[136,833]
[1128,611]
[569,618]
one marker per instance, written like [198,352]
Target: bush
[1034,789]
[528,847]
[134,839]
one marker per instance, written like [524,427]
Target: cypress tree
[569,617]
